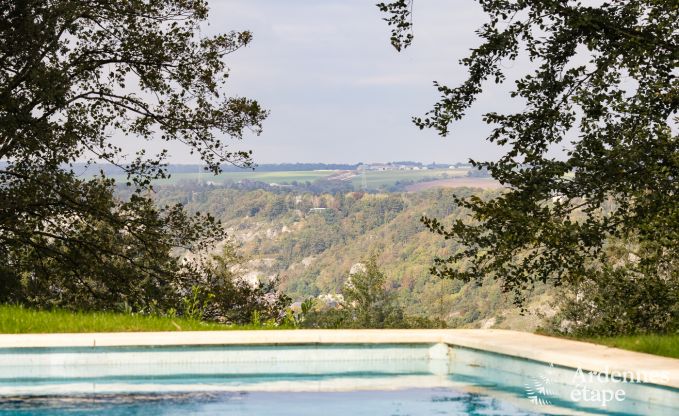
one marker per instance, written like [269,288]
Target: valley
[311,241]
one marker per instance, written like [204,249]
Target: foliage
[329,318]
[401,19]
[367,303]
[360,222]
[365,295]
[74,76]
[225,296]
[90,262]
[620,300]
[602,76]
[195,305]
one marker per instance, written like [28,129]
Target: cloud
[389,80]
[334,84]
[307,33]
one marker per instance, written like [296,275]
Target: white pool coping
[557,351]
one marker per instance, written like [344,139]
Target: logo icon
[537,390]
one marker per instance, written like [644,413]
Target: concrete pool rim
[544,349]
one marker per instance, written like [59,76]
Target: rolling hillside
[312,241]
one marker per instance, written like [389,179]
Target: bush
[367,303]
[226,297]
[620,302]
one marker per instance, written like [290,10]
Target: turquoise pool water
[369,403]
[326,380]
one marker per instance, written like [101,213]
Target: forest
[309,243]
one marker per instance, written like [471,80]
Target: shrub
[620,302]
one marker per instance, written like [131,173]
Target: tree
[605,75]
[74,73]
[618,301]
[230,298]
[366,296]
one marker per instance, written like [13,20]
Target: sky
[338,92]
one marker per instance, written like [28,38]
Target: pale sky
[336,89]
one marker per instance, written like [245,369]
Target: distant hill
[311,241]
[371,178]
[264,167]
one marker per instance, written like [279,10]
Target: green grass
[665,345]
[20,320]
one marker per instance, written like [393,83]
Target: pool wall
[513,364]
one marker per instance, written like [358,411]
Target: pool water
[438,401]
[298,380]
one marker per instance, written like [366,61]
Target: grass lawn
[19,320]
[665,345]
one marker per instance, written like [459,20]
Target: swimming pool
[307,379]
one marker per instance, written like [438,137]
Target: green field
[20,320]
[377,179]
[267,177]
[373,179]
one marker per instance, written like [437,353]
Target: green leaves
[401,21]
[366,296]
[602,86]
[73,75]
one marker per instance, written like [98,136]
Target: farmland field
[462,182]
[373,179]
[376,179]
[286,177]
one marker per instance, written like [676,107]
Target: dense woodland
[310,241]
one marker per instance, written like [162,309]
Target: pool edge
[545,349]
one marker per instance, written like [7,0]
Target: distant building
[390,166]
[380,166]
